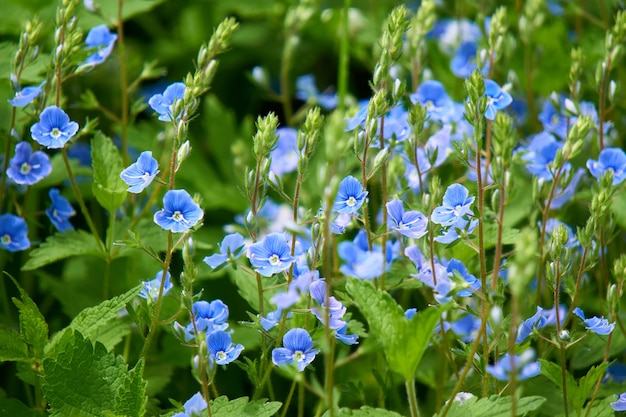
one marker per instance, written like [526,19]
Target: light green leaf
[12,345]
[365,411]
[586,385]
[10,407]
[241,407]
[247,288]
[33,326]
[601,408]
[404,342]
[63,245]
[494,406]
[131,397]
[108,187]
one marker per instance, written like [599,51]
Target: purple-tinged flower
[610,159]
[620,404]
[412,223]
[524,367]
[13,233]
[350,196]
[307,90]
[60,211]
[54,128]
[150,290]
[102,40]
[497,99]
[221,348]
[164,103]
[456,205]
[194,407]
[26,96]
[598,325]
[553,120]
[336,309]
[271,256]
[432,95]
[285,154]
[298,349]
[28,167]
[341,222]
[232,245]
[140,174]
[180,213]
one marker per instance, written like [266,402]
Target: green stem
[411,396]
[288,400]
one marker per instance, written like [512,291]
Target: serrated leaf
[108,187]
[33,326]
[63,245]
[601,408]
[131,397]
[12,345]
[552,371]
[494,406]
[94,322]
[404,342]
[586,385]
[85,380]
[241,407]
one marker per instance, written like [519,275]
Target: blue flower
[194,406]
[298,349]
[524,368]
[456,204]
[13,233]
[140,174]
[285,154]
[221,348]
[432,95]
[150,290]
[360,263]
[164,103]
[54,128]
[101,39]
[208,317]
[553,120]
[452,233]
[497,99]
[524,330]
[336,309]
[455,266]
[60,211]
[271,256]
[271,320]
[452,32]
[28,167]
[179,212]
[347,339]
[26,95]
[613,159]
[598,325]
[412,223]
[541,153]
[232,245]
[350,196]
[463,63]
[306,90]
[620,404]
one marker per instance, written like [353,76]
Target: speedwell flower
[102,40]
[271,256]
[180,213]
[221,348]
[193,407]
[164,103]
[456,204]
[54,128]
[524,368]
[620,404]
[13,233]
[28,167]
[60,211]
[598,325]
[613,159]
[150,290]
[411,223]
[298,349]
[232,244]
[140,174]
[350,196]
[497,99]
[26,95]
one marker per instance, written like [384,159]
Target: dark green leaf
[494,406]
[12,345]
[131,396]
[108,187]
[33,326]
[63,245]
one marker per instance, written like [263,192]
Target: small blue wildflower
[438,147]
[296,289]
[412,223]
[620,404]
[285,154]
[221,348]
[54,128]
[208,317]
[524,330]
[150,290]
[336,309]
[26,96]
[467,327]
[616,372]
[350,196]
[271,256]
[463,63]
[346,339]
[101,39]
[610,159]
[271,319]
[452,233]
[13,233]
[28,167]
[359,118]
[179,213]
[541,153]
[524,367]
[598,325]
[432,95]
[140,174]
[298,349]
[452,32]
[341,222]
[232,245]
[164,103]
[497,99]
[553,120]
[360,263]
[455,266]
[194,407]
[307,90]
[60,211]
[410,313]
[456,204]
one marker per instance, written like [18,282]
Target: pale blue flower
[298,349]
[194,407]
[180,213]
[285,155]
[221,348]
[610,159]
[271,256]
[497,99]
[140,174]
[525,369]
[232,245]
[598,325]
[26,95]
[412,223]
[101,39]
[164,103]
[620,404]
[28,167]
[307,90]
[60,211]
[54,128]
[432,95]
[456,205]
[350,196]
[13,233]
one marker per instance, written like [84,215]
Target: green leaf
[552,371]
[247,288]
[601,408]
[108,187]
[586,385]
[12,345]
[131,397]
[33,326]
[86,380]
[241,407]
[10,407]
[365,411]
[494,406]
[404,342]
[63,245]
[94,323]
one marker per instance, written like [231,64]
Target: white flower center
[6,239]
[274,260]
[351,202]
[55,133]
[178,216]
[220,355]
[298,356]
[25,168]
